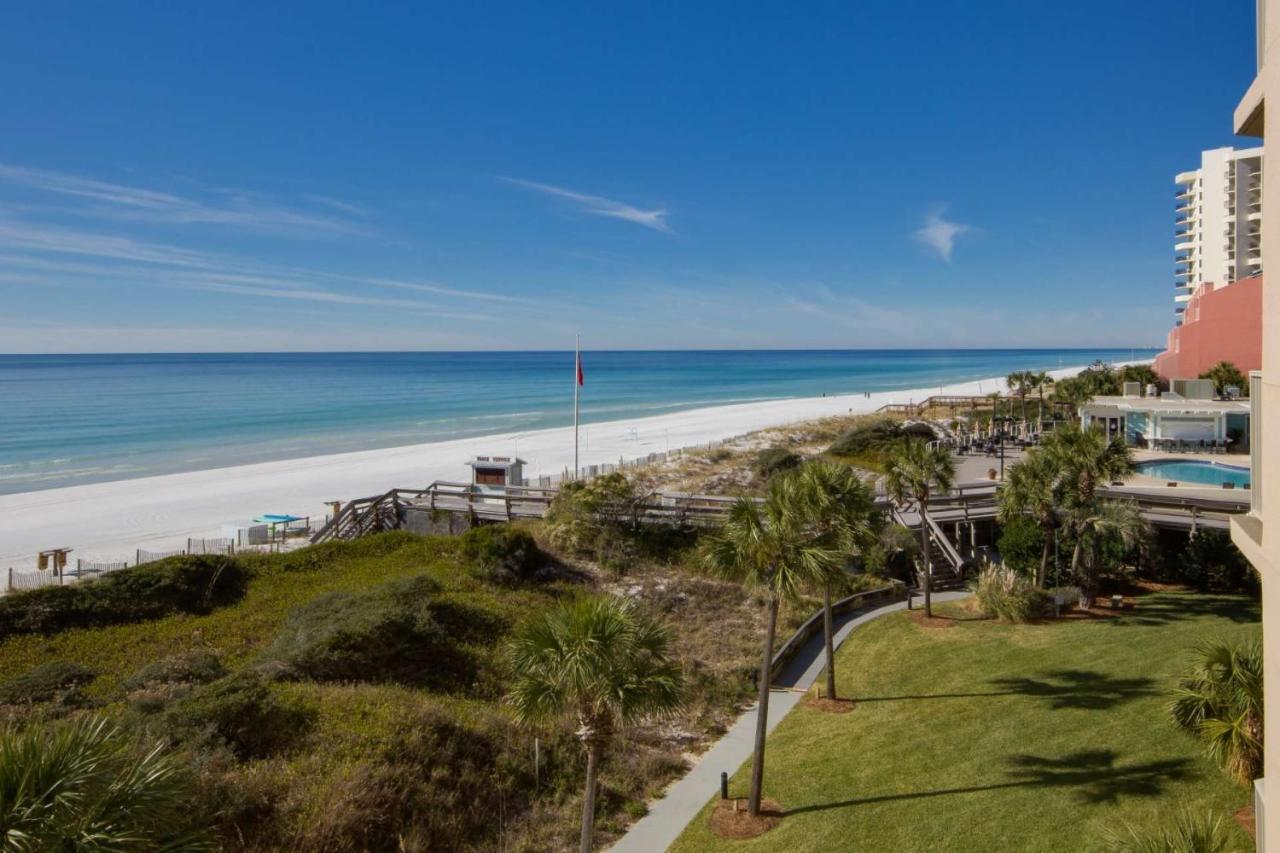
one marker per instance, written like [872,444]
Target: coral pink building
[1219,324]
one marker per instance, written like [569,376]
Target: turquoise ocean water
[70,419]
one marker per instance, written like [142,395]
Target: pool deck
[974,468]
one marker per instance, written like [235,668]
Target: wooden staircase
[945,563]
[366,516]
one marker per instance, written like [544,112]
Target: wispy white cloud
[601,206]
[339,204]
[119,201]
[61,253]
[939,233]
[438,289]
[72,241]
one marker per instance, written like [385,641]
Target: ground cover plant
[301,727]
[984,735]
[186,584]
[871,444]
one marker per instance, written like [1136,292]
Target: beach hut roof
[506,462]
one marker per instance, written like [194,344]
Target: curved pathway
[682,801]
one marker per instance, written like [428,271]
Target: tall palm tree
[834,506]
[763,547]
[600,661]
[1032,489]
[1095,523]
[915,470]
[1019,382]
[1220,701]
[994,397]
[1039,381]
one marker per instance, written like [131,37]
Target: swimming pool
[1194,471]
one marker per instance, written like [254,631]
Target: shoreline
[108,520]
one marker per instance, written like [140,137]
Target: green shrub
[438,784]
[56,681]
[240,712]
[1021,545]
[328,554]
[1187,833]
[1212,562]
[189,584]
[502,553]
[400,631]
[775,460]
[583,509]
[893,546]
[85,787]
[595,518]
[197,666]
[1070,595]
[1004,594]
[877,438]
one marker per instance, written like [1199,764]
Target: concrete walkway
[668,816]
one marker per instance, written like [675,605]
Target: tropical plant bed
[997,736]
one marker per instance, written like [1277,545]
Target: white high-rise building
[1218,236]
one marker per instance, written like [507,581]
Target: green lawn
[986,736]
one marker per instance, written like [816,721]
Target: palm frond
[598,658]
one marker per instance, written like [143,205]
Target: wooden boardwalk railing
[967,503]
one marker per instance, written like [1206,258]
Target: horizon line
[1117,348]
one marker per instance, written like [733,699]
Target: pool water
[1194,471]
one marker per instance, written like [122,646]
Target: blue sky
[666,175]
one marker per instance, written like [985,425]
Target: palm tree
[1032,489]
[83,786]
[1087,458]
[834,505]
[1094,523]
[1039,381]
[600,661]
[915,469]
[1220,701]
[763,547]
[1072,392]
[1224,374]
[1019,382]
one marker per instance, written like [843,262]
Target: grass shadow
[1096,775]
[1078,688]
[1164,609]
[1064,688]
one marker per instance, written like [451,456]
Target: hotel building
[1218,230]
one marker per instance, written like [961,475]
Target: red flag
[580,376]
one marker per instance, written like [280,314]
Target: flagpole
[577,366]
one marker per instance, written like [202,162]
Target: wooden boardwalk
[966,504]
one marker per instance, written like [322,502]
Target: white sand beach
[107,521]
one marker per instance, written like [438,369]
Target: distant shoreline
[108,520]
[73,420]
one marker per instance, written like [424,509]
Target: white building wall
[1219,216]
